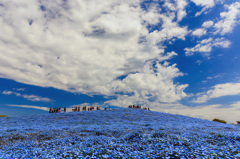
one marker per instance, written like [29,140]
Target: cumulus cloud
[215,31]
[228,19]
[170,31]
[32,97]
[217,91]
[206,4]
[199,32]
[181,12]
[208,24]
[205,46]
[179,7]
[149,86]
[85,46]
[221,42]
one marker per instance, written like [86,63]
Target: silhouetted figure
[65,109]
[138,106]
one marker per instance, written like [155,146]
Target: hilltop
[121,133]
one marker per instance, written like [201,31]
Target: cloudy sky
[174,56]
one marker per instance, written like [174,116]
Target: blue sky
[174,56]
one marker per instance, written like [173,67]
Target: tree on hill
[3,116]
[220,121]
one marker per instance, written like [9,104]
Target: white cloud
[221,42]
[150,85]
[199,32]
[181,5]
[199,62]
[206,4]
[236,104]
[30,106]
[169,31]
[36,98]
[151,16]
[32,97]
[209,112]
[208,24]
[228,19]
[217,91]
[19,89]
[227,23]
[84,46]
[205,46]
[7,92]
[214,77]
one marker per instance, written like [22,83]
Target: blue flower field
[118,133]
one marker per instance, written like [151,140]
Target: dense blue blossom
[121,133]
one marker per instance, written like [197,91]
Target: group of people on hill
[74,109]
[89,108]
[138,107]
[56,110]
[84,108]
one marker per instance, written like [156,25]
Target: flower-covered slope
[120,133]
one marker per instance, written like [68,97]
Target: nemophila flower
[119,133]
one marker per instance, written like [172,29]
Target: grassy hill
[120,133]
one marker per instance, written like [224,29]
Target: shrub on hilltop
[220,121]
